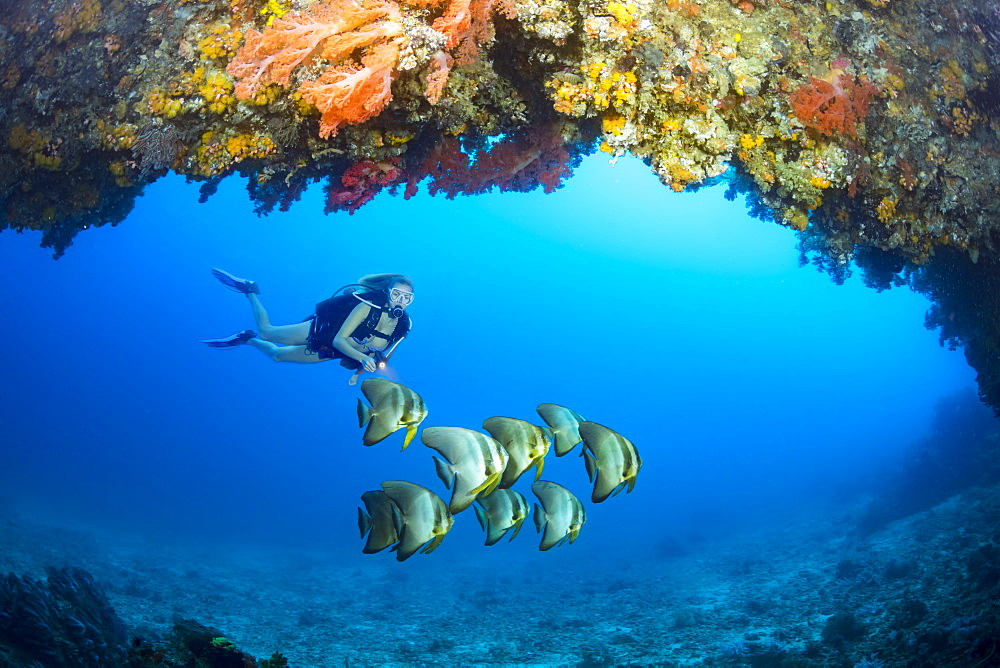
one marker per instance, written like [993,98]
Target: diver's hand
[369,364]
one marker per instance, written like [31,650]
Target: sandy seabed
[925,591]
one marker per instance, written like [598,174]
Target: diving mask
[400,296]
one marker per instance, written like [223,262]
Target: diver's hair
[382,282]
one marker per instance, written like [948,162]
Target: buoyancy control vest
[331,314]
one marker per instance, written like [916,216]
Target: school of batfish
[481,469]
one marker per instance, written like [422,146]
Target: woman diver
[361,324]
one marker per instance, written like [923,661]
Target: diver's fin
[231,341]
[235,284]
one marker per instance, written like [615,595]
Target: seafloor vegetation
[906,573]
[868,125]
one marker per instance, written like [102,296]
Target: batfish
[377,522]
[501,511]
[612,460]
[561,514]
[565,424]
[394,407]
[420,516]
[475,463]
[526,444]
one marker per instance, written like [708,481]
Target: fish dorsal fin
[380,391]
[599,438]
[404,494]
[506,430]
[453,443]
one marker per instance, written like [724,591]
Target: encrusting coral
[869,127]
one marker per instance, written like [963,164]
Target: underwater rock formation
[868,125]
[65,620]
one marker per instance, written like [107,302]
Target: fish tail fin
[364,522]
[539,518]
[364,414]
[483,518]
[445,471]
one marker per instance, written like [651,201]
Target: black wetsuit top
[330,316]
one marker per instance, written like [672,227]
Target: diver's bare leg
[289,335]
[296,354]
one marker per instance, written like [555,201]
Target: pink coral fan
[834,107]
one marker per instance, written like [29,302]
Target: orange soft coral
[468,25]
[833,107]
[346,92]
[352,94]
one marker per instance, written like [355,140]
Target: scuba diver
[361,324]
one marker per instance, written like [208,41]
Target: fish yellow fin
[411,431]
[516,529]
[538,468]
[433,544]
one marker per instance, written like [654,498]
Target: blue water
[752,387]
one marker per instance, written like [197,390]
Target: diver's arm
[342,343]
[392,349]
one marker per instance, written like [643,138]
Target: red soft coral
[518,162]
[360,183]
[346,92]
[833,107]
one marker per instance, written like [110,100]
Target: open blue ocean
[777,414]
